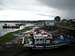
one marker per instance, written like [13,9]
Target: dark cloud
[67,6]
[60,4]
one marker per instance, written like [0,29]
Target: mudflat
[62,51]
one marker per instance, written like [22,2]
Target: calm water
[4,31]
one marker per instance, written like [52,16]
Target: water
[4,31]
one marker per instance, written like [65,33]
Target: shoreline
[9,36]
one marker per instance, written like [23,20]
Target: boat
[45,40]
[10,26]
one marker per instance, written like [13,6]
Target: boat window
[40,39]
[37,39]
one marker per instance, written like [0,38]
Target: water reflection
[6,30]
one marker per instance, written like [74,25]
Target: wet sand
[62,51]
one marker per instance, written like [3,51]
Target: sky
[36,9]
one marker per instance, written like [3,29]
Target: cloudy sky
[36,9]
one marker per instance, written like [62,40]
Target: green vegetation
[23,30]
[9,36]
[68,25]
[6,38]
